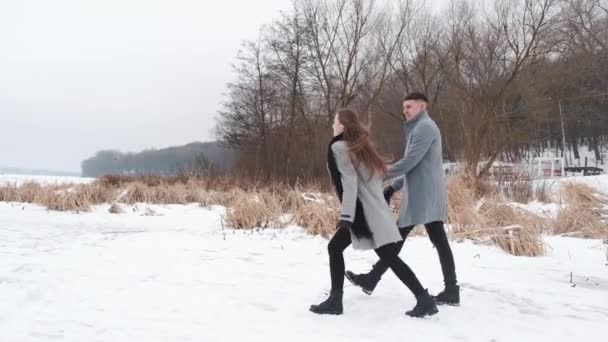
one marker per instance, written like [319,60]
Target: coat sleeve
[422,139]
[348,176]
[397,184]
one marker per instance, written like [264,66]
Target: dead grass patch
[584,214]
[261,205]
[524,235]
[317,218]
[462,213]
[69,200]
[254,210]
[115,209]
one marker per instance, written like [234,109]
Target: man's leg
[437,235]
[369,280]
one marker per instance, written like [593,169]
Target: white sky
[77,76]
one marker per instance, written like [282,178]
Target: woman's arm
[349,180]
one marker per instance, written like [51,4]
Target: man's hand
[388,194]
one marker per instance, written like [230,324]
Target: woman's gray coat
[357,184]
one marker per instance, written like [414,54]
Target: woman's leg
[368,281]
[338,243]
[336,247]
[389,255]
[425,305]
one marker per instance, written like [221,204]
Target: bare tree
[484,66]
[496,76]
[286,38]
[250,114]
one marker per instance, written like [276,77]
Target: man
[424,197]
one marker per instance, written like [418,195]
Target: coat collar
[338,137]
[423,114]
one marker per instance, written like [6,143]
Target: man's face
[413,107]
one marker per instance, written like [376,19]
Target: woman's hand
[345,224]
[388,194]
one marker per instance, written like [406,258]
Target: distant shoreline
[35,172]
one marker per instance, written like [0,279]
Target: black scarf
[360,228]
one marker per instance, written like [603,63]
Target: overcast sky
[78,76]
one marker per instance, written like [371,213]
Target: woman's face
[338,127]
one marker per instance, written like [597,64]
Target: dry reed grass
[8,193]
[490,219]
[69,200]
[498,213]
[542,191]
[258,205]
[208,198]
[462,213]
[580,194]
[585,213]
[519,241]
[515,230]
[317,217]
[115,209]
[29,192]
[254,210]
[519,187]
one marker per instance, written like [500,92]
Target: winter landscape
[203,171]
[180,273]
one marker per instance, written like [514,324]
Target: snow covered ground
[44,180]
[180,276]
[554,186]
[598,182]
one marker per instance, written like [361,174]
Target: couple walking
[366,220]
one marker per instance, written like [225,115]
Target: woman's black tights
[389,254]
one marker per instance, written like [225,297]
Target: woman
[366,220]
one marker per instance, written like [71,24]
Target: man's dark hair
[417,97]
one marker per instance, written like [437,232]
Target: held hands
[345,224]
[388,194]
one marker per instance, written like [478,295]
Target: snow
[554,185]
[544,210]
[177,274]
[44,180]
[598,182]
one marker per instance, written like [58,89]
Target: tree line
[506,79]
[194,158]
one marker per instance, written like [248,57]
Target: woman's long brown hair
[357,139]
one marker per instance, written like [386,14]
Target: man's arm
[422,139]
[397,184]
[390,190]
